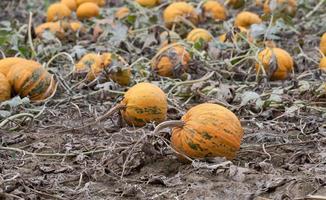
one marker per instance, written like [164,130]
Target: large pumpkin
[323,44]
[214,10]
[209,130]
[7,63]
[285,6]
[30,79]
[57,11]
[122,13]
[171,61]
[5,88]
[148,3]
[246,19]
[284,63]
[59,28]
[144,103]
[178,10]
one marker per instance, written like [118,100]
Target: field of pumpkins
[163,99]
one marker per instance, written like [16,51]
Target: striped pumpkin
[30,79]
[144,103]
[209,130]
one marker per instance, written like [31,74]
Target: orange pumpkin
[58,11]
[199,33]
[144,103]
[7,63]
[284,63]
[322,64]
[285,6]
[323,44]
[209,130]
[5,88]
[59,28]
[213,9]
[87,10]
[122,13]
[71,4]
[170,61]
[178,10]
[148,3]
[246,19]
[30,79]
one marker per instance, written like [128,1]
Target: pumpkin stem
[114,109]
[168,124]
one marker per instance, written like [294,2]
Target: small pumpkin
[322,64]
[58,11]
[59,28]
[199,33]
[178,10]
[276,58]
[168,37]
[233,35]
[323,44]
[205,131]
[71,4]
[30,79]
[144,103]
[148,3]
[235,3]
[171,61]
[122,13]
[87,62]
[98,2]
[285,6]
[87,10]
[7,63]
[5,88]
[213,9]
[245,19]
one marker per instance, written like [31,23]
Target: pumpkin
[284,63]
[178,10]
[171,61]
[98,2]
[144,103]
[213,9]
[5,88]
[30,79]
[7,63]
[246,19]
[233,35]
[235,3]
[57,11]
[199,33]
[168,37]
[148,3]
[322,64]
[285,6]
[208,130]
[71,4]
[87,62]
[59,28]
[122,13]
[87,10]
[323,44]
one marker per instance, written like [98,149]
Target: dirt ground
[54,156]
